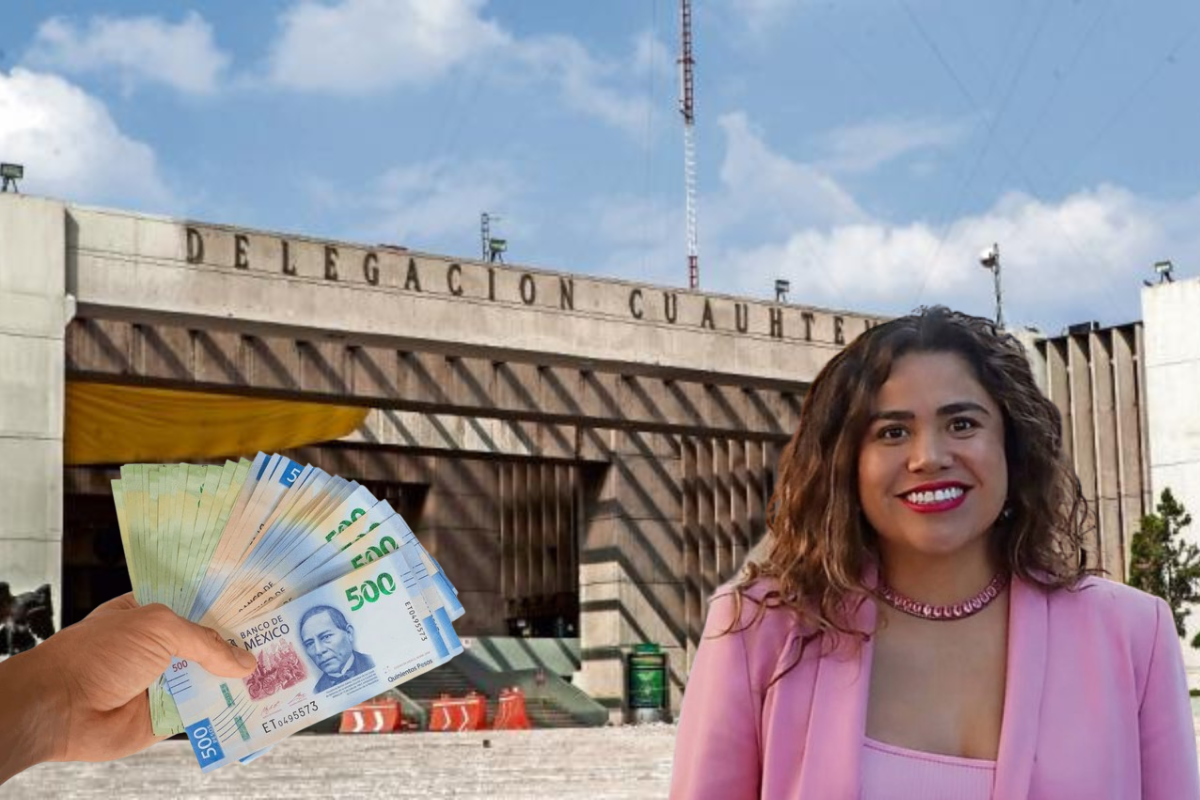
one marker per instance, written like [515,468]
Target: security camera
[990,257]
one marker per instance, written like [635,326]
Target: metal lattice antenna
[485,234]
[688,109]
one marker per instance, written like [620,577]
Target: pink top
[770,716]
[897,773]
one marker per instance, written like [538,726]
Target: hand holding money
[324,586]
[81,695]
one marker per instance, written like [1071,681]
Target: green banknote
[224,544]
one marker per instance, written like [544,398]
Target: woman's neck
[937,580]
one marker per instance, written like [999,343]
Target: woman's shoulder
[756,618]
[746,602]
[1115,610]
[1102,595]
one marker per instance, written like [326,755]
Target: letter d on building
[195,246]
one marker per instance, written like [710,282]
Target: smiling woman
[920,622]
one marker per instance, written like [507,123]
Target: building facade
[586,457]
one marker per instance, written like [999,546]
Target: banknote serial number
[412,612]
[290,717]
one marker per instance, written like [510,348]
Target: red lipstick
[938,506]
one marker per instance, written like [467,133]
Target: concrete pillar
[693,594]
[520,531]
[756,499]
[1035,354]
[33,316]
[1108,517]
[630,580]
[535,553]
[1149,455]
[568,533]
[723,513]
[1059,386]
[459,524]
[1129,412]
[706,513]
[549,530]
[772,452]
[739,519]
[504,489]
[1084,432]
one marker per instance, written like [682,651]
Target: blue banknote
[326,651]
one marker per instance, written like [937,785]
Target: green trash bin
[646,683]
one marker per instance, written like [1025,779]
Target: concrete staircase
[550,701]
[487,667]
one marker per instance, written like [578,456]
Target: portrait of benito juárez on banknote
[329,641]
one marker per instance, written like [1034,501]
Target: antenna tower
[687,108]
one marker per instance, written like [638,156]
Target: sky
[866,150]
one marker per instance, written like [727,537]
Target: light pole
[990,260]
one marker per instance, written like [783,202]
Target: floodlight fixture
[10,174]
[782,287]
[990,258]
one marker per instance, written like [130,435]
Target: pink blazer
[1096,705]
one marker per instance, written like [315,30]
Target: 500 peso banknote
[324,652]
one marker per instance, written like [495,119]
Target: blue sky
[867,150]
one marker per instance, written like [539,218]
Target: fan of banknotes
[325,585]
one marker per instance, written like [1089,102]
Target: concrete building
[588,458]
[1095,376]
[1127,394]
[1171,314]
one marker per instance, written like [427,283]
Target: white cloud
[772,192]
[863,147]
[363,46]
[433,205]
[650,54]
[441,198]
[760,16]
[593,86]
[762,196]
[358,47]
[1080,258]
[631,236]
[1073,259]
[137,49]
[71,147]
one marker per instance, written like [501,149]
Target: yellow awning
[107,424]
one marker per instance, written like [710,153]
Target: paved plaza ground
[575,764]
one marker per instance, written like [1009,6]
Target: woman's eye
[963,424]
[894,432]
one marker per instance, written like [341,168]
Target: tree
[1164,564]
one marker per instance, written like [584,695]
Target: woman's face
[932,473]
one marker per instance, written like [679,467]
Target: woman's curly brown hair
[819,542]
